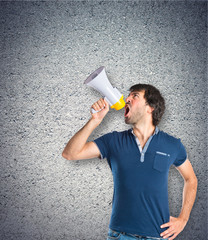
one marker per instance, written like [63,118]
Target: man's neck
[143,132]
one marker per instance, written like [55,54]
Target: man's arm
[78,148]
[176,225]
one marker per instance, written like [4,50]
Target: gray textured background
[47,51]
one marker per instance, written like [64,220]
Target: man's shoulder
[119,134]
[168,137]
[122,133]
[116,133]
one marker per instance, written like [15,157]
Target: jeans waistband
[144,237]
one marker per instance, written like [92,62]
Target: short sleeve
[103,144]
[181,156]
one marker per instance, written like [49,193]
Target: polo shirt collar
[143,151]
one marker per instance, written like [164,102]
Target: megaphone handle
[93,110]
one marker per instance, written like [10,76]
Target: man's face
[136,107]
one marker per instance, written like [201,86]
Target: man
[140,159]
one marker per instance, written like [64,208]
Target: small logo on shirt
[164,154]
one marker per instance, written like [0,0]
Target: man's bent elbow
[66,156]
[194,182]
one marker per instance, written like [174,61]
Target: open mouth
[127,110]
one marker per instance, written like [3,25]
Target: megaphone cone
[99,81]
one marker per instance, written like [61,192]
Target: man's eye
[134,95]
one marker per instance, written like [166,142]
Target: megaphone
[99,81]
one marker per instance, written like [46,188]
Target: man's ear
[150,109]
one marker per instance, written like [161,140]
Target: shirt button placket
[142,157]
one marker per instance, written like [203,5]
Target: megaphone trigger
[105,98]
[94,111]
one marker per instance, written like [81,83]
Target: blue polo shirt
[140,198]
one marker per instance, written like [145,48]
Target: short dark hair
[153,98]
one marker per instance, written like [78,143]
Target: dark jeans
[115,235]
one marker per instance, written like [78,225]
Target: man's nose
[128,99]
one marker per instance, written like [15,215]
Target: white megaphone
[99,81]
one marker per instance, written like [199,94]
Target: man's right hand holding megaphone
[101,107]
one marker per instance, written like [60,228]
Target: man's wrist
[95,121]
[183,218]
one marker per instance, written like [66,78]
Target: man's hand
[175,226]
[103,107]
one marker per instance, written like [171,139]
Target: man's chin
[127,121]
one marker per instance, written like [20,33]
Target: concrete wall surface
[47,51]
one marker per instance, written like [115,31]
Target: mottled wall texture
[47,51]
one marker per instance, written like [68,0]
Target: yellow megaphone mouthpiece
[99,81]
[120,104]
